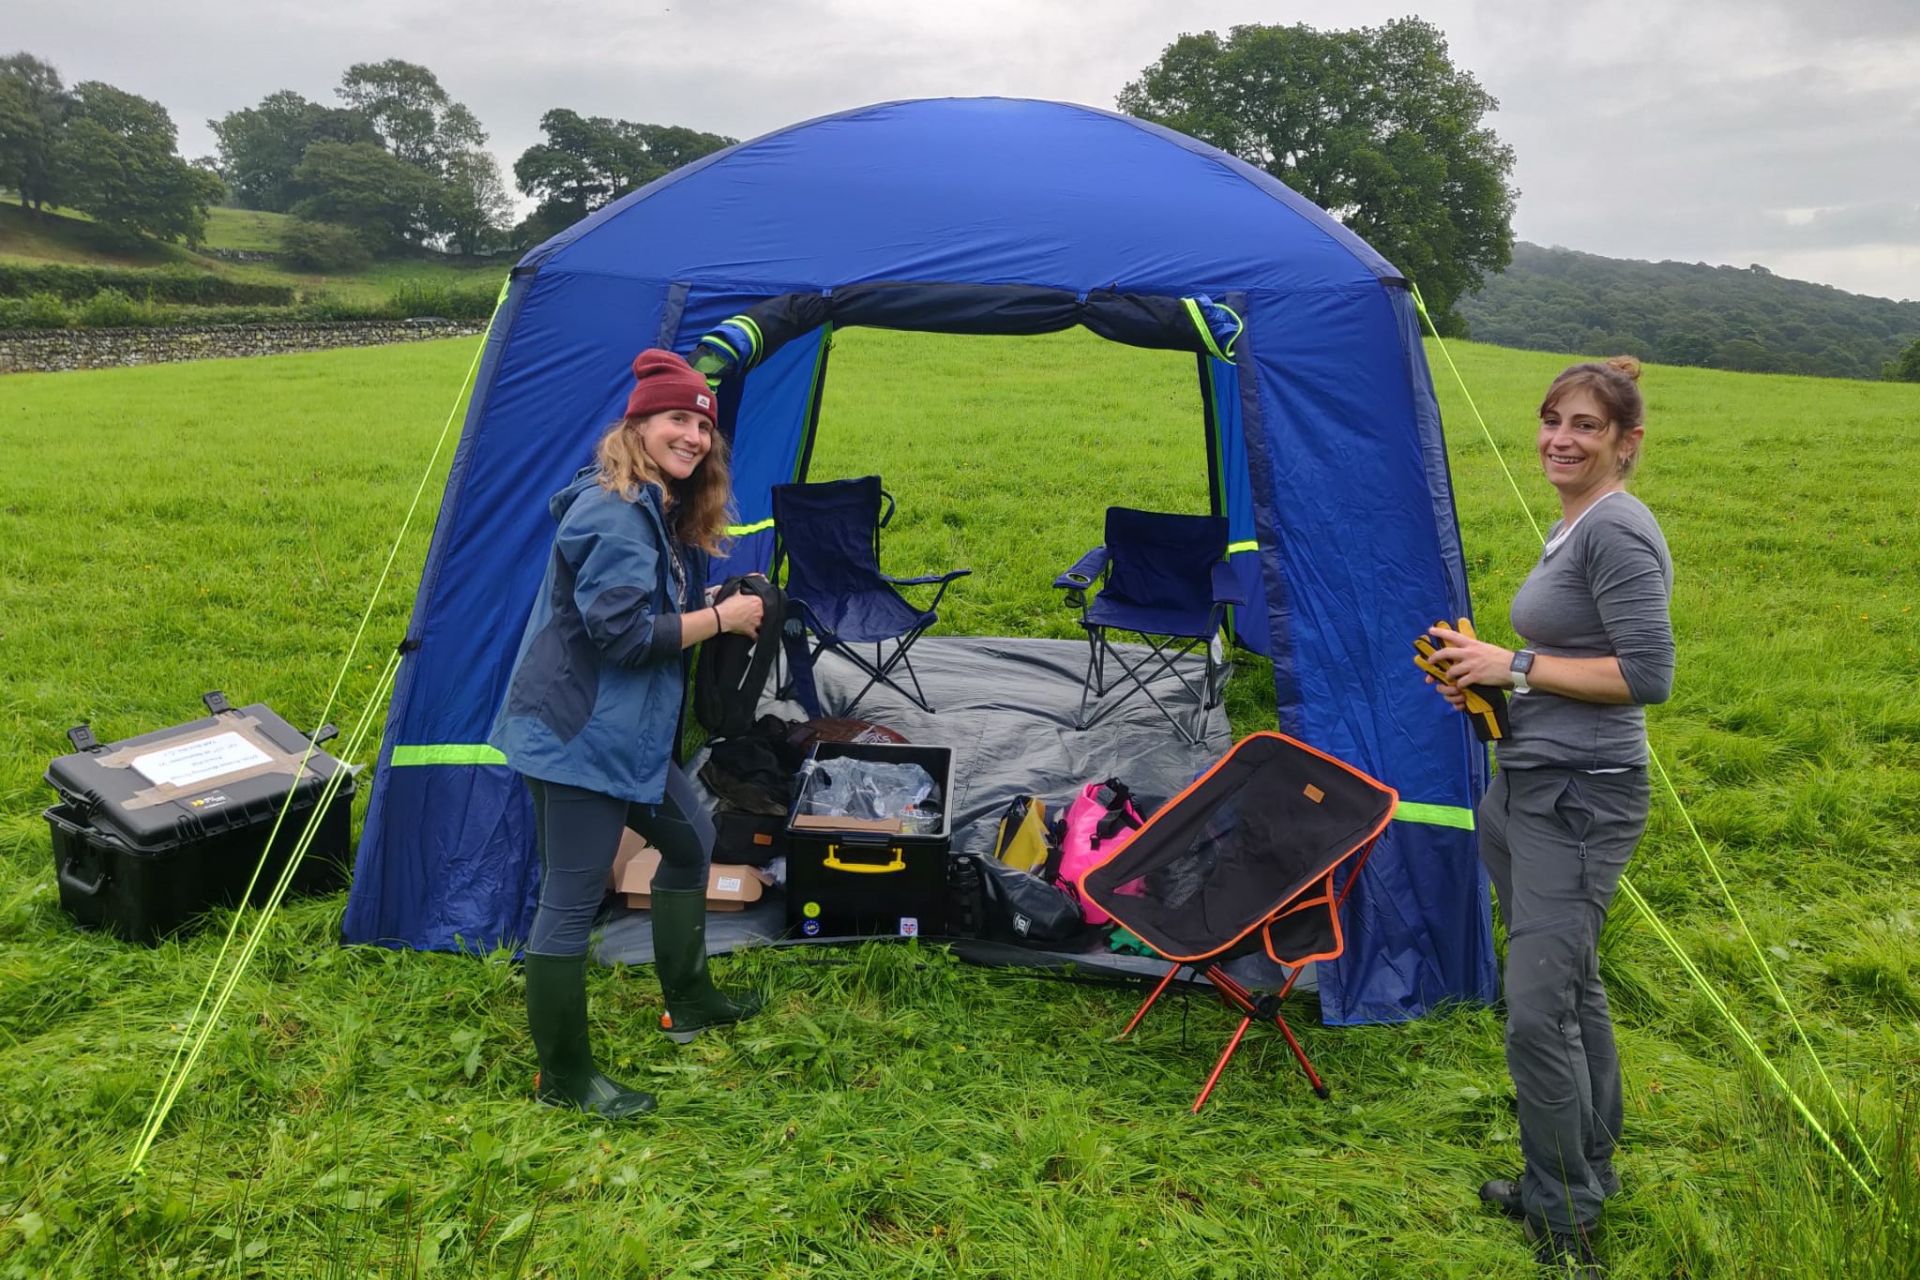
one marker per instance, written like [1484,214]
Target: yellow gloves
[1486,708]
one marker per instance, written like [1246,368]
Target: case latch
[216,702]
[81,736]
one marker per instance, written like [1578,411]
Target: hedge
[110,308]
[182,286]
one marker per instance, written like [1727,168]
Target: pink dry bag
[1100,820]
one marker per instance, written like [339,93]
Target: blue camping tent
[972,216]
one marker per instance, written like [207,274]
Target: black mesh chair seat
[1248,858]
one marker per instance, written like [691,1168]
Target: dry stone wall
[47,350]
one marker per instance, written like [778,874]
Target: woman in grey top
[1570,800]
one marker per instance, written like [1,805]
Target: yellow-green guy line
[177,1082]
[163,1101]
[1646,909]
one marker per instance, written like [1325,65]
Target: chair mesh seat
[1247,857]
[1258,831]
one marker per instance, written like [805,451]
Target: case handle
[75,884]
[832,862]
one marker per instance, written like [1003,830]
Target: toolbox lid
[179,784]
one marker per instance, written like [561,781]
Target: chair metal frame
[880,669]
[1252,1006]
[1094,569]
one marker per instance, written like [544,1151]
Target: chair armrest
[888,513]
[1084,571]
[925,579]
[1226,584]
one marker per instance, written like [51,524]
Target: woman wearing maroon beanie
[594,702]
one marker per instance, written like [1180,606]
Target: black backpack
[733,668]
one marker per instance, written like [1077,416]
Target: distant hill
[1738,318]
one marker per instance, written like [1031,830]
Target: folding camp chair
[1166,579]
[829,534]
[1247,859]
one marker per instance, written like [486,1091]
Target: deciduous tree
[1377,126]
[117,151]
[261,146]
[365,187]
[1905,367]
[33,107]
[589,161]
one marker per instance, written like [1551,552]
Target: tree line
[1375,125]
[1742,318]
[395,164]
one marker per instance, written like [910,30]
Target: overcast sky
[1783,132]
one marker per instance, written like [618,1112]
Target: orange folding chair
[1257,855]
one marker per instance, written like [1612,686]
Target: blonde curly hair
[697,508]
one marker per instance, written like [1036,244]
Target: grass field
[894,1113]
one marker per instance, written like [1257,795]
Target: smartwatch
[1522,663]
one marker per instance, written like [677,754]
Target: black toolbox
[152,831]
[843,882]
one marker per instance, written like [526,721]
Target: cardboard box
[729,887]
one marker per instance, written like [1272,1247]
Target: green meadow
[895,1113]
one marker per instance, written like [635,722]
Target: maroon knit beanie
[662,381]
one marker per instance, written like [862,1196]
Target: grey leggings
[1555,842]
[578,832]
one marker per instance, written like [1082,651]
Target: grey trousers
[578,832]
[1555,842]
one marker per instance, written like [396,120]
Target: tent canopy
[972,216]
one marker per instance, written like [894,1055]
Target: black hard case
[829,885]
[142,859]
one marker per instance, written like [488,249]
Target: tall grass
[895,1113]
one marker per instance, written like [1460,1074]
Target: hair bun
[1629,365]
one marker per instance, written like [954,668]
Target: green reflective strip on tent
[1235,548]
[1435,815]
[447,753]
[742,530]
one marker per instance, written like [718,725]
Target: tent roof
[970,190]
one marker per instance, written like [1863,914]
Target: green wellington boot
[680,954]
[557,1016]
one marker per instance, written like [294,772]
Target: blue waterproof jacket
[595,695]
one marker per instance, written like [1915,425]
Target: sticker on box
[810,927]
[729,884]
[909,926]
[197,761]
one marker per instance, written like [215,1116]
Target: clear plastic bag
[871,789]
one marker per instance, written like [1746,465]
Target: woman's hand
[1470,661]
[740,613]
[1456,699]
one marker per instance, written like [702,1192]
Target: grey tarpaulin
[1007,708]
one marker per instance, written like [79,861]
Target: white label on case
[192,762]
[729,884]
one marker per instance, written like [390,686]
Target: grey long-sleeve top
[1600,590]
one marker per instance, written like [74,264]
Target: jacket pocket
[558,681]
